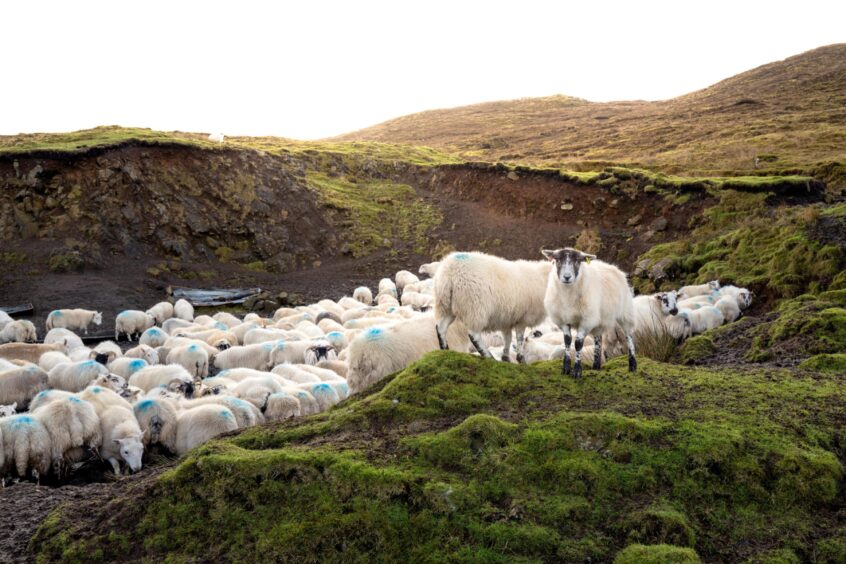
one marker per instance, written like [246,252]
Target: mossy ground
[462,459]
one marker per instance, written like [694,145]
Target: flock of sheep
[190,378]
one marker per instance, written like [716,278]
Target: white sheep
[339,367]
[158,418]
[729,307]
[216,137]
[295,373]
[102,398]
[403,278]
[173,324]
[126,366]
[44,397]
[183,309]
[256,390]
[653,312]
[320,350]
[19,331]
[6,411]
[742,295]
[75,376]
[153,337]
[250,356]
[702,319]
[363,295]
[192,357]
[73,319]
[171,377]
[122,439]
[26,446]
[387,286]
[71,423]
[161,312]
[143,352]
[291,351]
[227,319]
[325,394]
[592,297]
[5,319]
[29,352]
[50,359]
[686,292]
[379,351]
[22,383]
[489,293]
[197,425]
[308,404]
[262,335]
[430,268]
[69,338]
[282,405]
[132,322]
[105,352]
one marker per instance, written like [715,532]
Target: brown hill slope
[790,113]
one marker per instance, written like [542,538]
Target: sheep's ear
[14,405]
[587,258]
[550,255]
[118,441]
[658,297]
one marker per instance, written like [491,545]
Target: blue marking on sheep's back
[154,331]
[238,402]
[42,395]
[391,309]
[334,334]
[96,389]
[18,421]
[73,399]
[123,314]
[461,256]
[56,313]
[322,388]
[144,405]
[193,348]
[223,373]
[221,326]
[137,364]
[225,414]
[374,334]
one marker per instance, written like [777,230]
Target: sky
[313,69]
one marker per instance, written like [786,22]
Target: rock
[614,203]
[634,220]
[104,174]
[50,203]
[26,224]
[641,268]
[513,176]
[566,207]
[250,303]
[660,224]
[661,269]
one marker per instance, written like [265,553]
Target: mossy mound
[656,554]
[697,348]
[459,458]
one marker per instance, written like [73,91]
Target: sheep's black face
[668,302]
[567,263]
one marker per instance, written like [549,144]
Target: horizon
[318,71]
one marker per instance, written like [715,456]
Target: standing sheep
[126,366]
[26,446]
[183,309]
[122,439]
[153,337]
[430,268]
[161,312]
[69,338]
[591,296]
[22,383]
[172,377]
[71,423]
[363,295]
[20,331]
[192,357]
[132,322]
[403,278]
[282,405]
[488,293]
[158,418]
[144,352]
[251,356]
[197,425]
[73,319]
[76,376]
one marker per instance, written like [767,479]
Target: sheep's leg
[441,329]
[520,341]
[597,352]
[479,343]
[115,466]
[632,359]
[506,349]
[568,340]
[577,365]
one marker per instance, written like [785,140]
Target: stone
[661,269]
[513,176]
[641,268]
[634,220]
[566,207]
[660,224]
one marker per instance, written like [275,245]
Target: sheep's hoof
[632,364]
[506,358]
[521,359]
[597,364]
[565,366]
[577,371]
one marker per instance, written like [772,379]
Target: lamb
[26,446]
[703,319]
[430,268]
[593,297]
[488,293]
[132,322]
[126,366]
[144,352]
[51,359]
[698,290]
[161,312]
[192,358]
[158,418]
[403,278]
[28,352]
[183,309]
[75,376]
[71,423]
[197,425]
[363,295]
[69,338]
[20,331]
[250,356]
[172,377]
[379,351]
[122,439]
[153,337]
[20,384]
[282,405]
[73,319]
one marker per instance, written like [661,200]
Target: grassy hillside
[789,114]
[459,458]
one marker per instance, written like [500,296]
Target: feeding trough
[214,296]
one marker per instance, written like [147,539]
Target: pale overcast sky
[312,69]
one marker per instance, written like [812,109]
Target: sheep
[729,307]
[325,394]
[260,335]
[363,295]
[75,376]
[172,325]
[102,398]
[26,446]
[131,394]
[309,329]
[6,411]
[318,351]
[161,312]
[488,293]
[114,382]
[5,319]
[192,357]
[430,268]
[339,367]
[53,358]
[73,319]
[295,373]
[698,290]
[122,439]
[217,137]
[197,425]
[651,312]
[256,390]
[387,286]
[403,278]
[171,377]
[143,352]
[20,384]
[292,351]
[308,403]
[71,423]
[246,414]
[69,338]
[699,301]
[183,309]
[19,331]
[27,351]
[106,352]
[44,397]
[593,298]
[249,356]
[535,350]
[158,418]
[126,366]
[352,314]
[388,300]
[379,351]
[742,295]
[282,405]
[337,339]
[132,322]
[702,319]
[227,319]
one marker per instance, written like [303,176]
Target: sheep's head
[130,393]
[567,262]
[132,450]
[98,318]
[714,284]
[668,302]
[111,381]
[180,386]
[744,299]
[320,350]
[6,410]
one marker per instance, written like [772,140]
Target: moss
[656,554]
[696,349]
[661,524]
[224,254]
[775,556]
[257,266]
[65,262]
[826,363]
[12,257]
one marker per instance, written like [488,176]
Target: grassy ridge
[459,458]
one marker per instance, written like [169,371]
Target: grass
[458,458]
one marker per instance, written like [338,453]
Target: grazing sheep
[28,352]
[591,296]
[122,439]
[71,423]
[250,356]
[430,268]
[51,359]
[132,322]
[387,300]
[73,319]
[158,418]
[703,318]
[69,338]
[197,425]
[6,411]
[144,352]
[379,351]
[20,331]
[183,309]
[75,376]
[686,292]
[282,405]
[171,377]
[488,293]
[20,384]
[193,358]
[403,278]
[126,366]
[363,295]
[26,446]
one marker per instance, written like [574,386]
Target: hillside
[790,114]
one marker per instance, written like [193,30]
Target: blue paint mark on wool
[226,414]
[321,388]
[89,363]
[374,334]
[334,334]
[221,326]
[461,256]
[96,389]
[144,405]
[19,421]
[154,331]
[74,400]
[137,364]
[56,313]
[193,348]
[123,314]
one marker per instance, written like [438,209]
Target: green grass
[462,459]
